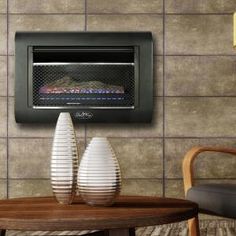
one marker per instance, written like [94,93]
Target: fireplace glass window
[82,76]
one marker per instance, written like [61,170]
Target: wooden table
[44,213]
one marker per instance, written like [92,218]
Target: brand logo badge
[83,115]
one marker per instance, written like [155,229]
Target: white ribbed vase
[99,179]
[64,160]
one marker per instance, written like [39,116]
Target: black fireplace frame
[141,41]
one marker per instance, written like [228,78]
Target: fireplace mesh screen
[83,84]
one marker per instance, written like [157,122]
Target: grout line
[164,13]
[129,137]
[85,13]
[48,178]
[122,14]
[86,21]
[127,178]
[192,96]
[141,178]
[172,55]
[195,96]
[117,13]
[222,178]
[172,96]
[197,137]
[153,96]
[32,137]
[163,107]
[30,178]
[199,14]
[85,136]
[81,13]
[199,55]
[43,14]
[7,181]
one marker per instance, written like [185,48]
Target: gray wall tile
[158,76]
[206,6]
[34,130]
[139,158]
[199,34]
[200,76]
[3,6]
[129,23]
[3,159]
[11,75]
[174,188]
[29,158]
[200,117]
[3,33]
[207,165]
[46,6]
[3,75]
[3,117]
[3,189]
[43,23]
[125,6]
[143,187]
[29,188]
[153,129]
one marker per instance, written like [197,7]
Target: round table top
[44,213]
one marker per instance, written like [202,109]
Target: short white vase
[64,160]
[99,178]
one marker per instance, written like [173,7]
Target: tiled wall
[195,92]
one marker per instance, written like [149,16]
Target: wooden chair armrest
[188,173]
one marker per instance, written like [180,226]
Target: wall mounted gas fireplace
[96,76]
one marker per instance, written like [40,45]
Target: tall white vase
[99,179]
[64,160]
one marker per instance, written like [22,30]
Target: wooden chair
[213,199]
